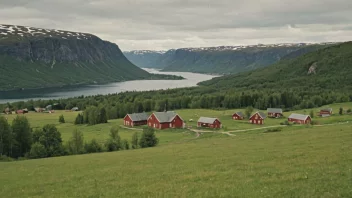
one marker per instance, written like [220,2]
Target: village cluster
[170,119]
[47,109]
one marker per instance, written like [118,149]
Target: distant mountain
[145,58]
[329,68]
[35,58]
[222,59]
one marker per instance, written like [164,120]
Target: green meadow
[296,162]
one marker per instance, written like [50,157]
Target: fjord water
[191,79]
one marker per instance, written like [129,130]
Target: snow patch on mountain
[25,31]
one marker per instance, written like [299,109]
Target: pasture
[304,162]
[101,131]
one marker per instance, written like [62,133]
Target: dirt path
[131,128]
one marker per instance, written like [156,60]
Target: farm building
[75,109]
[7,111]
[20,111]
[135,119]
[274,112]
[257,118]
[39,110]
[299,118]
[25,110]
[164,120]
[209,122]
[238,116]
[325,112]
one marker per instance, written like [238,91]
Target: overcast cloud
[166,24]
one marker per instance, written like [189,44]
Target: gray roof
[274,110]
[138,116]
[207,120]
[298,116]
[240,114]
[263,115]
[74,109]
[165,116]
[327,109]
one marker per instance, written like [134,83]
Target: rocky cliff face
[43,50]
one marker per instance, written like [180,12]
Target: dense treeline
[98,109]
[18,140]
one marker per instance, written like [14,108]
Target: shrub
[114,142]
[278,129]
[61,119]
[341,111]
[311,114]
[125,145]
[135,141]
[286,123]
[37,151]
[314,122]
[148,138]
[75,144]
[349,110]
[93,147]
[79,119]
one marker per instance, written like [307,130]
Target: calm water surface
[191,79]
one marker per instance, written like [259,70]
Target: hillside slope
[34,58]
[328,68]
[220,60]
[297,162]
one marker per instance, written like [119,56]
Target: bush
[311,114]
[341,111]
[349,110]
[286,123]
[148,138]
[135,141]
[79,119]
[93,147]
[278,129]
[37,151]
[125,145]
[314,122]
[4,158]
[61,119]
[114,142]
[75,144]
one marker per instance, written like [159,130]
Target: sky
[170,24]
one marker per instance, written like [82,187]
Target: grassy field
[101,131]
[305,162]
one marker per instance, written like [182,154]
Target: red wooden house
[274,112]
[135,119]
[257,118]
[164,120]
[20,112]
[238,116]
[325,112]
[209,122]
[299,118]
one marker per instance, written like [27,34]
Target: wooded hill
[326,69]
[222,59]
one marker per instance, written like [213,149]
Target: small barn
[257,118]
[209,122]
[135,119]
[164,120]
[274,113]
[75,109]
[325,112]
[25,110]
[299,118]
[238,116]
[7,111]
[39,110]
[20,111]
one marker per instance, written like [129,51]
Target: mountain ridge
[37,57]
[221,59]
